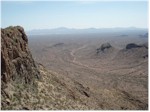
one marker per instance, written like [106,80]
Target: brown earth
[114,75]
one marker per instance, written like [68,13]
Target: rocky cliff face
[18,69]
[17,62]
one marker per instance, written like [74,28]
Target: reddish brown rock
[17,62]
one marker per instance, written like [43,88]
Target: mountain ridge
[65,30]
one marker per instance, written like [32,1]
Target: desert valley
[112,66]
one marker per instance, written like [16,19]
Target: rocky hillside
[18,66]
[105,51]
[133,52]
[29,86]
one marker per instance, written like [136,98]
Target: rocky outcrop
[132,45]
[133,53]
[17,62]
[139,50]
[104,47]
[18,70]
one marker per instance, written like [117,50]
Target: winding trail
[72,53]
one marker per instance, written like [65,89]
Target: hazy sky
[79,14]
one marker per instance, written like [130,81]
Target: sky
[74,14]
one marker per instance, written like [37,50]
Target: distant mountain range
[64,30]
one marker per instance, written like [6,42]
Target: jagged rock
[104,47]
[17,62]
[19,71]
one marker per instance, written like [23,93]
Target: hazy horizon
[74,14]
[63,27]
